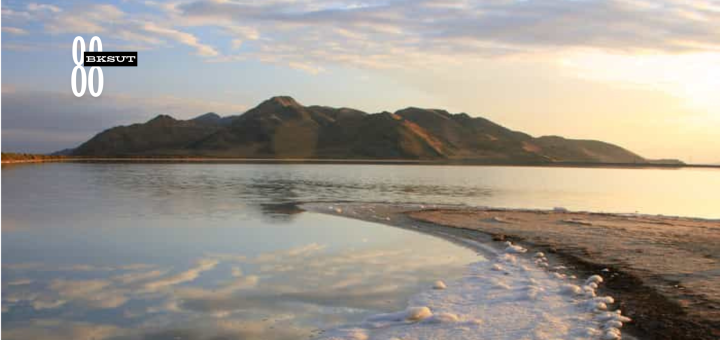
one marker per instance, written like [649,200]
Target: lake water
[210,251]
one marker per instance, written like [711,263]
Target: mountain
[213,118]
[162,135]
[280,127]
[63,152]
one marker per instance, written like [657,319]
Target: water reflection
[280,212]
[220,190]
[198,251]
[277,292]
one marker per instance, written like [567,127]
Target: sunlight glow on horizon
[692,77]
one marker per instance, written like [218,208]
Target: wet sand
[664,272]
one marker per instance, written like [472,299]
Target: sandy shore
[663,271]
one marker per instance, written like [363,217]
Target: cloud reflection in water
[281,294]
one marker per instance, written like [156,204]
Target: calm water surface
[203,251]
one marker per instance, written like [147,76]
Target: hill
[280,127]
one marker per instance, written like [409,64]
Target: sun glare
[694,78]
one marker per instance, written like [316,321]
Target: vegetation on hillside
[28,157]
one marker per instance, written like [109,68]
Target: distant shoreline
[356,161]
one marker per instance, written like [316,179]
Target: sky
[641,74]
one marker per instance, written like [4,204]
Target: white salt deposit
[579,222]
[439,285]
[611,334]
[571,289]
[442,318]
[417,313]
[507,258]
[411,314]
[605,299]
[594,279]
[499,219]
[514,249]
[512,296]
[348,334]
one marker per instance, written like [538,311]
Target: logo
[95,59]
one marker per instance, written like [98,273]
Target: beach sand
[662,271]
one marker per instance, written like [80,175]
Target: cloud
[40,304]
[14,30]
[308,274]
[221,292]
[133,277]
[307,35]
[219,327]
[297,285]
[382,34]
[34,7]
[37,266]
[112,22]
[182,37]
[186,276]
[90,293]
[15,15]
[92,19]
[20,282]
[74,289]
[236,272]
[57,329]
[135,281]
[236,43]
[280,256]
[473,47]
[309,68]
[358,279]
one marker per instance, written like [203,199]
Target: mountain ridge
[281,127]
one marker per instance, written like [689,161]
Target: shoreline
[664,300]
[360,161]
[26,161]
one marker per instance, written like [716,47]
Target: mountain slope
[558,148]
[160,135]
[280,127]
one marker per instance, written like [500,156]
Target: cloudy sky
[642,74]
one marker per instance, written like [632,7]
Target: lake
[214,251]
